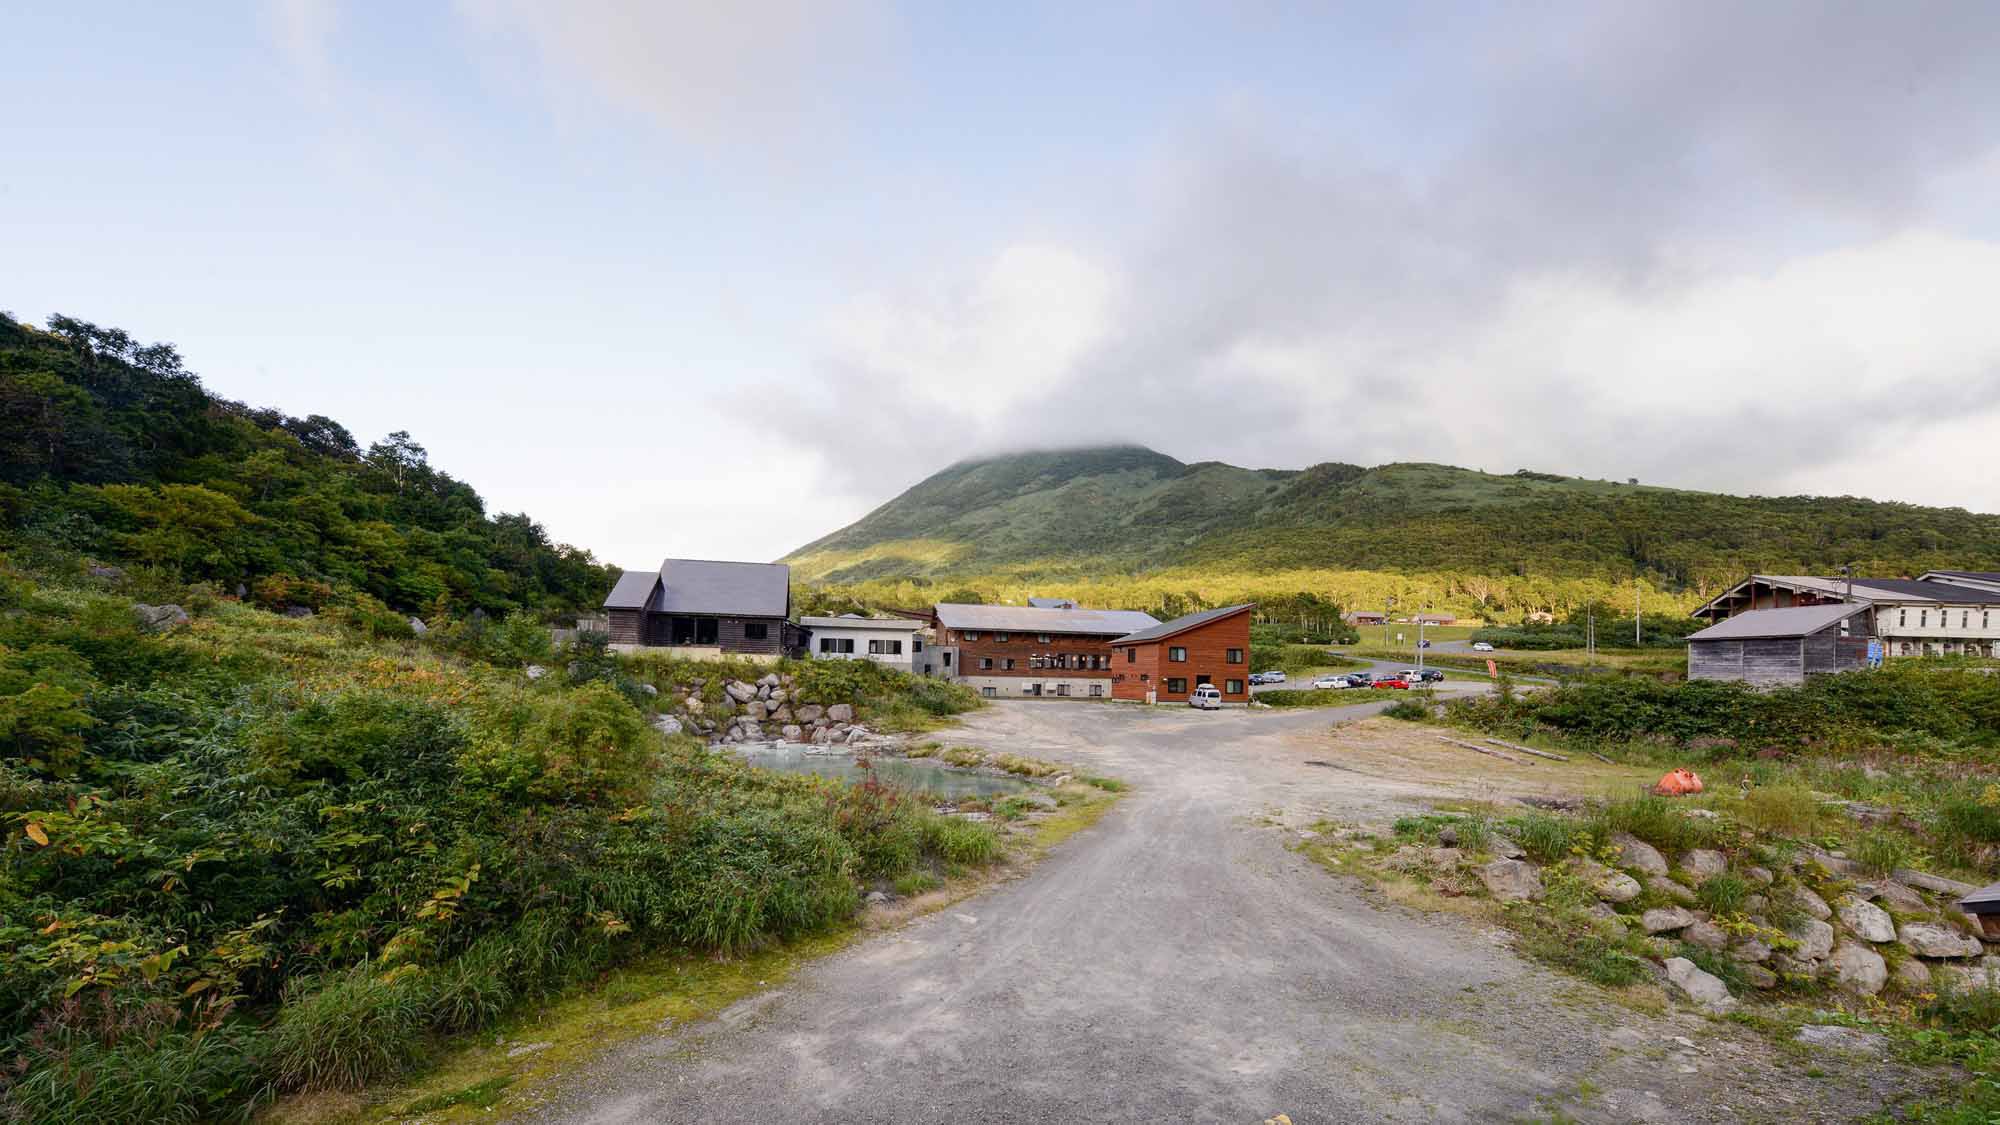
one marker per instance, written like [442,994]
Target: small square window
[1176,685]
[1233,687]
[756,631]
[999,637]
[1177,655]
[1235,656]
[1042,638]
[1131,656]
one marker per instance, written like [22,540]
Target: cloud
[744,71]
[1693,244]
[303,31]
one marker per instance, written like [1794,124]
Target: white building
[895,641]
[1943,613]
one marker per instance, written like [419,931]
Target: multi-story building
[1943,613]
[1166,662]
[1006,651]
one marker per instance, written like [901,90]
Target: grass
[1723,895]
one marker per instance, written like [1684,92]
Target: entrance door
[1200,680]
[1034,689]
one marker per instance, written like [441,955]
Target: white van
[1206,696]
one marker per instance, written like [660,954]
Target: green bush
[1723,894]
[342,1033]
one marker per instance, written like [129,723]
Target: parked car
[1392,682]
[1258,678]
[1329,683]
[1431,676]
[1409,675]
[1274,677]
[1425,643]
[1207,697]
[1360,679]
[1482,646]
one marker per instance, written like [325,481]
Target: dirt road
[1177,962]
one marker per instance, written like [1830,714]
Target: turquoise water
[922,774]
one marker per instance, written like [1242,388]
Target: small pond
[920,774]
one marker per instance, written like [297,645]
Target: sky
[712,280]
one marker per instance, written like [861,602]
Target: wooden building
[701,607]
[1166,662]
[1942,613]
[1005,651]
[1768,647]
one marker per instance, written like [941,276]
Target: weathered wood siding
[1757,661]
[1829,652]
[626,626]
[1140,668]
[729,634]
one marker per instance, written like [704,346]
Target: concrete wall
[1051,687]
[909,637]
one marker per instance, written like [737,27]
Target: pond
[920,774]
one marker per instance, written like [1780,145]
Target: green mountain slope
[1093,513]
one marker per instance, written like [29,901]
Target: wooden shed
[1782,646]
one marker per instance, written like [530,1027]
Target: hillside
[1127,513]
[113,452]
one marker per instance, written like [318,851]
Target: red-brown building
[1166,662]
[1004,651]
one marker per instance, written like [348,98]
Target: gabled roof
[706,586]
[1052,603]
[1030,619]
[1794,621]
[1892,590]
[854,621]
[1985,900]
[1183,624]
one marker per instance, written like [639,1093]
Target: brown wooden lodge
[704,607]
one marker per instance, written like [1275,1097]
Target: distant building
[1166,662]
[1007,651]
[1052,603]
[895,642]
[701,607]
[1770,647]
[1365,617]
[1943,613]
[1435,619]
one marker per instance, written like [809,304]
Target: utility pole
[1421,614]
[1636,611]
[1388,611]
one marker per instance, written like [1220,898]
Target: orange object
[1682,782]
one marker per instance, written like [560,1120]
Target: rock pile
[766,709]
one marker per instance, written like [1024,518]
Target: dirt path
[1177,962]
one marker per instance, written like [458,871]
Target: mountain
[1130,512]
[113,452]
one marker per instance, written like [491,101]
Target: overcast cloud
[714,279]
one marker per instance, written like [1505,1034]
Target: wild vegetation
[258,854]
[1123,527]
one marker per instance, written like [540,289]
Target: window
[1008,664]
[1177,655]
[756,631]
[1176,685]
[836,644]
[1042,638]
[916,644]
[998,637]
[826,644]
[1923,618]
[985,663]
[1097,691]
[1903,618]
[885,648]
[947,660]
[1062,689]
[972,636]
[1964,617]
[1143,677]
[1131,656]
[987,692]
[1232,687]
[1985,619]
[1235,656]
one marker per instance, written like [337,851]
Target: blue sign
[1874,653]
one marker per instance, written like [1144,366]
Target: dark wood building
[703,607]
[1782,646]
[1006,651]
[1166,662]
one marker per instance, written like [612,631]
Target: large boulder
[740,691]
[1511,880]
[1842,1038]
[794,733]
[1868,921]
[1926,939]
[667,724]
[811,712]
[1912,975]
[1815,939]
[1503,848]
[1906,899]
[1609,885]
[1671,889]
[160,618]
[1704,864]
[534,671]
[840,713]
[756,711]
[1811,903]
[770,680]
[1858,968]
[1687,979]
[1665,918]
[1749,951]
[1706,934]
[1638,855]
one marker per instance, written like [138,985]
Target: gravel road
[1177,962]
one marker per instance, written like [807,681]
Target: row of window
[1067,661]
[845,646]
[1943,618]
[1178,684]
[1178,655]
[999,638]
[1096,690]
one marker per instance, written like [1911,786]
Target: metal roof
[847,621]
[706,586]
[1052,603]
[1183,624]
[1985,900]
[1867,589]
[1795,621]
[1032,619]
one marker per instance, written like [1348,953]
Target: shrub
[1546,837]
[1576,948]
[1723,894]
[957,840]
[343,1032]
[78,1075]
[1660,822]
[1882,850]
[1787,809]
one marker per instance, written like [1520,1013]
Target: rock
[1981,976]
[739,691]
[1503,848]
[299,611]
[535,671]
[856,734]
[1806,900]
[1858,968]
[1899,897]
[1704,864]
[756,710]
[1662,919]
[1868,921]
[1687,978]
[1749,951]
[667,724]
[770,680]
[1842,1038]
[1448,836]
[1706,934]
[820,736]
[1671,889]
[763,693]
[875,897]
[1926,939]
[1788,965]
[1616,886]
[692,705]
[750,728]
[1911,975]
[418,627]
[160,618]
[1638,855]
[778,695]
[649,689]
[1757,976]
[811,712]
[1603,913]
[1815,939]
[1756,904]
[840,713]
[1511,880]
[782,715]
[1759,875]
[794,733]
[521,1049]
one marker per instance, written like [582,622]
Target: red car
[1392,682]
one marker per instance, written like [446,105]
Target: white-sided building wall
[898,644]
